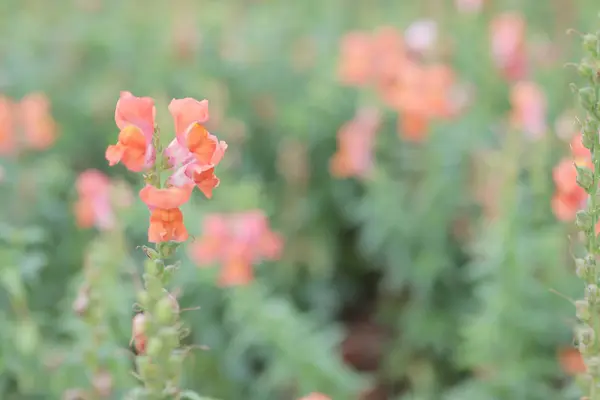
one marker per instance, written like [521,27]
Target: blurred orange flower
[355,145]
[166,219]
[135,118]
[39,128]
[528,109]
[27,123]
[507,33]
[93,207]
[569,197]
[237,241]
[571,361]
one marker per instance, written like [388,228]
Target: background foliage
[427,279]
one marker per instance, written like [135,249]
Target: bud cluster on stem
[588,309]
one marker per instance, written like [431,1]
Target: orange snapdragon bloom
[355,145]
[194,152]
[135,118]
[166,218]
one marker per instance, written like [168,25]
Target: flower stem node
[582,310]
[584,220]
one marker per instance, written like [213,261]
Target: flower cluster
[418,92]
[190,159]
[569,197]
[237,241]
[26,124]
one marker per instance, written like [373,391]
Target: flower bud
[143,299]
[593,365]
[582,310]
[589,134]
[591,293]
[582,269]
[150,253]
[586,70]
[138,332]
[164,311]
[151,267]
[168,249]
[587,98]
[155,346]
[153,286]
[148,371]
[590,44]
[586,335]
[176,364]
[585,177]
[170,335]
[583,220]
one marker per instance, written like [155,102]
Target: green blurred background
[428,278]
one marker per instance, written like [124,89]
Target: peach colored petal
[114,154]
[167,198]
[315,396]
[178,154]
[8,143]
[187,111]
[137,111]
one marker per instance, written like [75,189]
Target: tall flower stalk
[588,178]
[189,161]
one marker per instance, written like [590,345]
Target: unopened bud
[150,253]
[587,97]
[586,335]
[165,312]
[590,44]
[583,220]
[154,347]
[176,364]
[170,335]
[593,365]
[143,299]
[138,332]
[582,310]
[148,371]
[585,177]
[591,293]
[585,70]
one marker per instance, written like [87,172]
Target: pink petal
[137,111]
[185,112]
